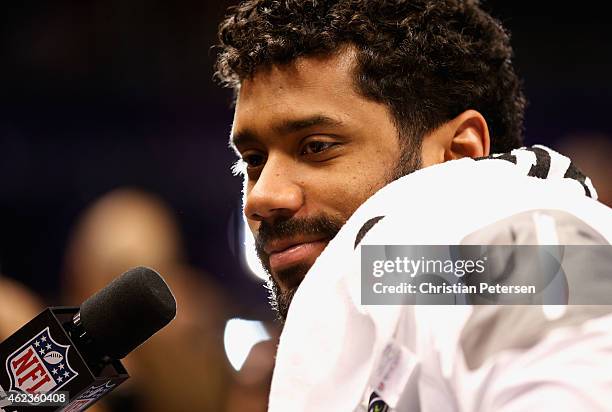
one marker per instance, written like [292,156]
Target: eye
[253,160]
[316,146]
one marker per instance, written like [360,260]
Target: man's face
[315,150]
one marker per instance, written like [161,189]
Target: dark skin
[314,146]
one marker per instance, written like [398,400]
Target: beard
[322,225]
[327,226]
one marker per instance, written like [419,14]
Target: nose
[275,193]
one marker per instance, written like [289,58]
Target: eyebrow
[286,127]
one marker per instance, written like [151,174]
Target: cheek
[345,195]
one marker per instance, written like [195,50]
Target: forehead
[308,86]
[304,73]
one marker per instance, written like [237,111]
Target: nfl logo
[40,366]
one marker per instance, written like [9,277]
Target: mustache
[324,225]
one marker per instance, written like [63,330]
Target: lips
[286,253]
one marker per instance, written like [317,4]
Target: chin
[288,279]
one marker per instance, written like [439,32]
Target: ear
[468,136]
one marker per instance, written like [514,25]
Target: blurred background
[113,153]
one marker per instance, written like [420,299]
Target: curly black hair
[427,60]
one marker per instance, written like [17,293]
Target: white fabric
[331,344]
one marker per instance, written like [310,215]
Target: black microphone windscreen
[128,311]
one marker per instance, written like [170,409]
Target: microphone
[67,358]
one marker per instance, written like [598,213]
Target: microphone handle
[53,357]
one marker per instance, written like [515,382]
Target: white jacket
[334,352]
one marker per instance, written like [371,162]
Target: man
[334,101]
